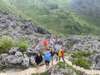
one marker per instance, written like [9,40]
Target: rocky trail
[42,69]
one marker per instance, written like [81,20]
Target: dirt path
[43,69]
[29,71]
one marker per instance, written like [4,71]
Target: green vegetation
[53,15]
[61,65]
[22,44]
[80,58]
[6,43]
[77,54]
[82,62]
[45,73]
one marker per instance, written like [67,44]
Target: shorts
[37,62]
[47,62]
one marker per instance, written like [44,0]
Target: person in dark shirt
[38,58]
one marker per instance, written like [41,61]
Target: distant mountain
[58,16]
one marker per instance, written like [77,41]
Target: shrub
[22,45]
[80,59]
[82,63]
[78,54]
[61,65]
[6,43]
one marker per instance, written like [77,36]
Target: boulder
[25,61]
[18,54]
[32,60]
[2,59]
[13,50]
[96,61]
[13,60]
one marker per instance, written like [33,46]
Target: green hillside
[89,9]
[51,14]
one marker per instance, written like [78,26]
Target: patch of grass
[23,45]
[6,43]
[61,64]
[80,59]
[82,63]
[44,73]
[78,54]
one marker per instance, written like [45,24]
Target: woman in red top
[46,43]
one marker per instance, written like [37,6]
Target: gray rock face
[25,61]
[86,43]
[96,62]
[83,43]
[13,50]
[16,58]
[18,28]
[12,59]
[2,59]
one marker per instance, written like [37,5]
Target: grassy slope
[88,9]
[61,21]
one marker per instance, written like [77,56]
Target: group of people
[50,47]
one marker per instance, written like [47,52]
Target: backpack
[60,53]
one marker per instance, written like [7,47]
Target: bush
[80,59]
[82,63]
[81,54]
[22,45]
[6,43]
[61,65]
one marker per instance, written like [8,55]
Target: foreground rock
[15,58]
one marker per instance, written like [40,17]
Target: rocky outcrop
[88,43]
[15,58]
[96,62]
[17,27]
